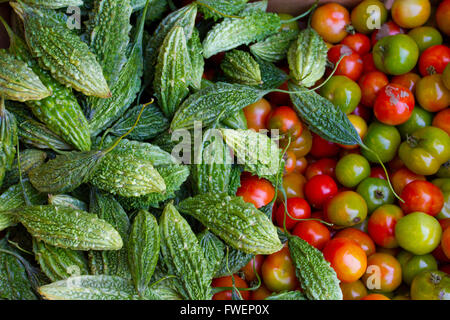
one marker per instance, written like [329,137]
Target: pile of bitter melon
[94,204]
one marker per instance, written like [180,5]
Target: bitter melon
[240,67]
[8,139]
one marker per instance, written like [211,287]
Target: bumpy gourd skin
[29,159]
[236,222]
[214,250]
[275,47]
[239,66]
[8,140]
[228,7]
[54,4]
[195,49]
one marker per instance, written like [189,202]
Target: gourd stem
[384,169]
[217,11]
[129,131]
[331,74]
[304,14]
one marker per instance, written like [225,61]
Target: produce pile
[170,150]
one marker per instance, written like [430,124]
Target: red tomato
[407,80]
[363,112]
[445,242]
[322,148]
[381,225]
[323,166]
[300,165]
[350,66]
[387,29]
[228,282]
[280,98]
[439,254]
[257,114]
[290,162]
[378,172]
[442,120]
[358,42]
[319,188]
[368,64]
[359,237]
[442,14]
[375,296]
[422,196]
[331,21]
[278,271]
[255,190]
[297,208]
[346,258]
[434,60]
[445,268]
[394,105]
[371,83]
[313,232]
[286,120]
[249,269]
[402,177]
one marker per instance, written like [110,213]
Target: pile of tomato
[394,85]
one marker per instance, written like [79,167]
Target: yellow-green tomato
[352,169]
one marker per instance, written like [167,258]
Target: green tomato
[396,54]
[412,265]
[368,15]
[444,185]
[376,192]
[431,285]
[425,37]
[425,150]
[293,25]
[444,170]
[419,118]
[383,139]
[343,92]
[418,233]
[346,209]
[352,169]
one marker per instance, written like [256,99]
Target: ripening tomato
[368,64]
[325,166]
[394,105]
[432,94]
[352,169]
[350,66]
[323,148]
[353,290]
[301,146]
[371,83]
[255,190]
[293,184]
[384,139]
[383,274]
[345,209]
[319,188]
[445,242]
[442,14]
[442,120]
[402,177]
[346,258]
[420,118]
[257,114]
[407,80]
[425,37]
[387,29]
[343,92]
[297,208]
[250,268]
[378,172]
[290,161]
[422,196]
[313,232]
[228,282]
[293,25]
[286,120]
[331,22]
[368,15]
[280,98]
[260,294]
[278,271]
[410,13]
[381,225]
[358,42]
[360,237]
[300,165]
[375,296]
[434,60]
[361,128]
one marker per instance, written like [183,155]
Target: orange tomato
[442,120]
[331,21]
[257,114]
[383,273]
[361,238]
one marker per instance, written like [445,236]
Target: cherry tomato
[407,80]
[343,92]
[286,120]
[323,148]
[313,232]
[432,94]
[383,274]
[297,208]
[425,37]
[442,120]
[420,118]
[394,105]
[301,146]
[358,42]
[375,296]
[300,165]
[256,190]
[434,60]
[353,290]
[412,265]
[290,161]
[350,66]
[293,25]
[278,272]
[280,98]
[422,196]
[381,226]
[319,188]
[228,282]
[331,21]
[345,209]
[445,242]
[360,237]
[293,184]
[371,83]
[376,192]
[386,29]
[325,166]
[352,169]
[260,294]
[402,177]
[257,114]
[361,128]
[439,254]
[410,13]
[249,269]
[431,285]
[368,64]
[442,14]
[383,139]
[346,258]
[378,172]
[368,15]
[418,233]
